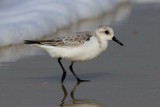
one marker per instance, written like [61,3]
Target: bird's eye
[107,32]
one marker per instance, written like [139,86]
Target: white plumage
[81,46]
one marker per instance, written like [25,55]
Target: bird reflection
[77,102]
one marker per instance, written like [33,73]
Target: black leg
[64,71]
[78,79]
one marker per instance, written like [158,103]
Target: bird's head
[107,33]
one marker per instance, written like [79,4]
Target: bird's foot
[79,80]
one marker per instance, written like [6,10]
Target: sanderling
[74,47]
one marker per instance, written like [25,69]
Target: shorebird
[75,47]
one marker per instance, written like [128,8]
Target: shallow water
[121,77]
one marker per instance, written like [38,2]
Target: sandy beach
[121,77]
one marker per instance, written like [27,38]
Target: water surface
[121,77]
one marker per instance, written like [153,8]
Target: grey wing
[71,40]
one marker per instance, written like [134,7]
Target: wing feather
[70,40]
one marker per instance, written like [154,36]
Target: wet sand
[121,77]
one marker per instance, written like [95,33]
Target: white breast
[85,52]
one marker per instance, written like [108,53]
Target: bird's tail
[31,42]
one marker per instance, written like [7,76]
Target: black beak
[116,40]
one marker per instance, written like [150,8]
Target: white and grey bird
[75,47]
